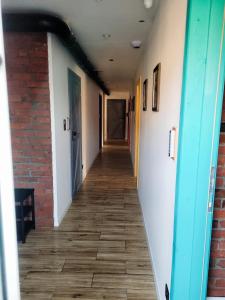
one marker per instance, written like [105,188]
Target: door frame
[201,106]
[74,78]
[137,127]
[100,120]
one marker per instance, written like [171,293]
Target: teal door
[203,83]
[75,129]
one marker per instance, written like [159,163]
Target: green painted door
[203,83]
[75,130]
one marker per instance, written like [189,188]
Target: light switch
[172,143]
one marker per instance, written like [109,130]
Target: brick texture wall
[216,285]
[28,86]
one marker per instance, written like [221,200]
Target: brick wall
[216,286]
[28,86]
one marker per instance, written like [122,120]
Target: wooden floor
[100,251]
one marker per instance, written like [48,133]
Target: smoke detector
[106,36]
[136,44]
[148,3]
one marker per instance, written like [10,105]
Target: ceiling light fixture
[106,36]
[148,3]
[136,44]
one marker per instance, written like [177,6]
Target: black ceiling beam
[33,22]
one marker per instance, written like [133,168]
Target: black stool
[25,215]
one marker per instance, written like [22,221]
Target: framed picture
[145,95]
[156,87]
[133,104]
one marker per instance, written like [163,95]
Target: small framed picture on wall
[156,87]
[145,95]
[133,103]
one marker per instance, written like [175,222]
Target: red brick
[220,283]
[216,281]
[219,214]
[222,138]
[222,150]
[221,171]
[217,203]
[213,292]
[219,182]
[222,224]
[220,193]
[29,99]
[218,253]
[216,233]
[221,263]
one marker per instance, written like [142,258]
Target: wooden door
[116,119]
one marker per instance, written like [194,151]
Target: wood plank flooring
[100,250]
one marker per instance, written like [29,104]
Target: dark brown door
[116,119]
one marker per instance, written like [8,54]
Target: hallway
[100,250]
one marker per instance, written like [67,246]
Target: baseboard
[216,298]
[149,251]
[59,220]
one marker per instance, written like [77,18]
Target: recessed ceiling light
[148,3]
[111,59]
[136,44]
[106,36]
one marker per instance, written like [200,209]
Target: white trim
[59,219]
[53,135]
[150,252]
[7,202]
[216,298]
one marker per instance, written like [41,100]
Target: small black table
[25,213]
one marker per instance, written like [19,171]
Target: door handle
[75,134]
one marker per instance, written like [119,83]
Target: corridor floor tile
[100,249]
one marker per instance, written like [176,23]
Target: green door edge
[200,117]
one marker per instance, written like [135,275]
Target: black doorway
[116,119]
[100,122]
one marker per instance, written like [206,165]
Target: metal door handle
[74,133]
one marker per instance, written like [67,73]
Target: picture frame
[156,88]
[145,95]
[133,103]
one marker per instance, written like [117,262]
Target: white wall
[59,62]
[157,171]
[8,240]
[116,95]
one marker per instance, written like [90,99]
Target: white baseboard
[58,221]
[216,298]
[150,252]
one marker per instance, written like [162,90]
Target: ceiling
[89,20]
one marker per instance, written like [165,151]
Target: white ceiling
[89,19]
